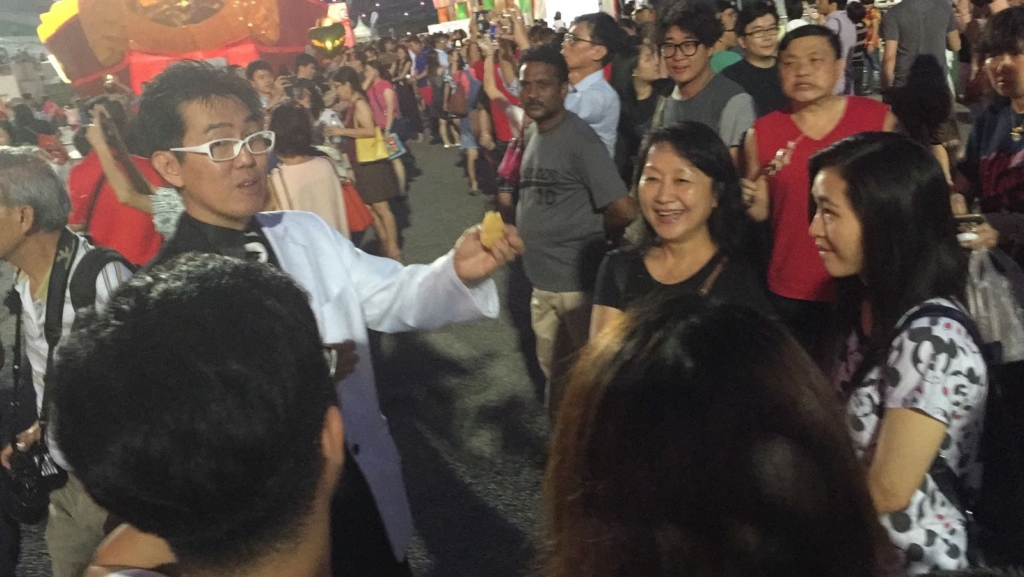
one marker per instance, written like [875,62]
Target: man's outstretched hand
[474,263]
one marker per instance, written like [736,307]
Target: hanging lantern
[461,11]
[327,38]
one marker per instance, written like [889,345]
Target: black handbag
[33,474]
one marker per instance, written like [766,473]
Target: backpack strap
[92,203]
[83,282]
[991,351]
[53,326]
[948,482]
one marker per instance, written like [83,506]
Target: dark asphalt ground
[464,411]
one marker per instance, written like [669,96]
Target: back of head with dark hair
[303,59]
[293,126]
[23,115]
[255,66]
[546,54]
[856,11]
[1003,34]
[541,34]
[702,147]
[206,391]
[810,31]
[753,12]
[698,438]
[697,18]
[898,191]
[348,75]
[160,123]
[924,104]
[794,10]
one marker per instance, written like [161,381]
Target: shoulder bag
[372,149]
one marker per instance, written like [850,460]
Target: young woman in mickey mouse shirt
[915,382]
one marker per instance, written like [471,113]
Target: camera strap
[53,326]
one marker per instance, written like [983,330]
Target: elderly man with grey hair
[55,268]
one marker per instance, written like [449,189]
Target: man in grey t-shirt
[915,28]
[686,35]
[570,200]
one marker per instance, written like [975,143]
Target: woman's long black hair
[911,253]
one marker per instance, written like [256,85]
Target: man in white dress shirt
[204,129]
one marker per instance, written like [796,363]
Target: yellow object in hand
[492,229]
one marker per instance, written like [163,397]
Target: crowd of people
[745,232]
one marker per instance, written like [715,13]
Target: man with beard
[570,199]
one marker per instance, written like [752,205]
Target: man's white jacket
[351,291]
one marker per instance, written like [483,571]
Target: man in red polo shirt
[94,204]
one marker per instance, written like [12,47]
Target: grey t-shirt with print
[566,179]
[722,105]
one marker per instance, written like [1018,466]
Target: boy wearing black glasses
[758,72]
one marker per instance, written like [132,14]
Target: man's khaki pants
[74,529]
[561,322]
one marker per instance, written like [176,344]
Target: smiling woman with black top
[692,231]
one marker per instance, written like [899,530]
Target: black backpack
[83,282]
[995,513]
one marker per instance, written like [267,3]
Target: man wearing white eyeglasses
[204,127]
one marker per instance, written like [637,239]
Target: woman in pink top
[383,102]
[303,181]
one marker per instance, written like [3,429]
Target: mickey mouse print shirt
[935,368]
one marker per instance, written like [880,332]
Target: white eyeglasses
[225,149]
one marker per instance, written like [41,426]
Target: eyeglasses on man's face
[571,38]
[686,48]
[763,32]
[225,149]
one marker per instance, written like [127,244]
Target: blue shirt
[596,102]
[419,65]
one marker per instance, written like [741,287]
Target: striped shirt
[33,321]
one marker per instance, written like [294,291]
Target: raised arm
[519,31]
[490,82]
[125,187]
